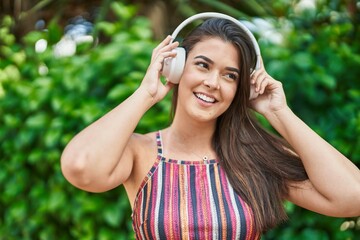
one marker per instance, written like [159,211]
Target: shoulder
[140,148]
[142,142]
[143,148]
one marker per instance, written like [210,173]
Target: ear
[173,67]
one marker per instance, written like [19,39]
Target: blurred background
[63,64]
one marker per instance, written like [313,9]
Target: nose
[212,81]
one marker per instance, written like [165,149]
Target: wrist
[143,96]
[279,117]
[281,120]
[277,113]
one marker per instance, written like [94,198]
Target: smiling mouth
[205,98]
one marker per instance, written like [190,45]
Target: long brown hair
[258,164]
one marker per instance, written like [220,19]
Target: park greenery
[45,99]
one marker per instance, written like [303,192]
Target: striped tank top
[189,200]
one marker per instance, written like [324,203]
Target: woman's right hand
[151,82]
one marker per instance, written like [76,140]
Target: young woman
[214,173]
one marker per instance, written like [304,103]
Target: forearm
[331,173]
[96,151]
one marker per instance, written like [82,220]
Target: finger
[159,60]
[261,62]
[255,74]
[169,85]
[166,48]
[264,83]
[252,76]
[165,45]
[169,47]
[164,42]
[259,79]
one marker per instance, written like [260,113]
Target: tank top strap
[159,145]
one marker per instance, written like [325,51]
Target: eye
[233,76]
[202,64]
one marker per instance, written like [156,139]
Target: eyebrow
[212,62]
[204,58]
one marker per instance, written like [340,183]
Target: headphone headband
[223,16]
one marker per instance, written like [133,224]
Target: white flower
[66,47]
[40,45]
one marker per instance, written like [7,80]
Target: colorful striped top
[190,200]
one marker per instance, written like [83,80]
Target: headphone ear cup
[174,67]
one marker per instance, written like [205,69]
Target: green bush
[45,100]
[318,64]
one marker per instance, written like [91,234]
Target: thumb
[168,86]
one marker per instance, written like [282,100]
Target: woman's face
[209,82]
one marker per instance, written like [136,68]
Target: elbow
[73,167]
[355,212]
[351,206]
[356,203]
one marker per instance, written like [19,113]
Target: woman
[214,173]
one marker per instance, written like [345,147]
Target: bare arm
[333,187]
[334,181]
[101,156]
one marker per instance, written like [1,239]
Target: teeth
[205,98]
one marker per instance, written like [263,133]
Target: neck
[192,132]
[189,140]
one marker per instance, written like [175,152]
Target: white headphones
[174,67]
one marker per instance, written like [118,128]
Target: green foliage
[308,225]
[44,101]
[318,64]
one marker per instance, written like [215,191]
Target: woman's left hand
[271,96]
